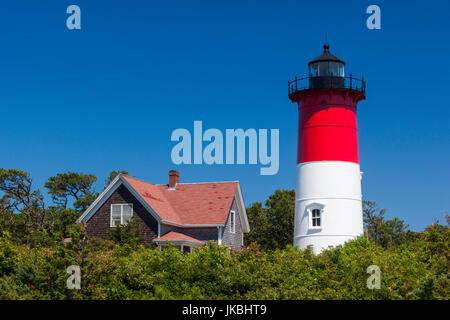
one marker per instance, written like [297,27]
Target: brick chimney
[174,177]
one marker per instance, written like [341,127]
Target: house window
[121,213]
[315,218]
[232,222]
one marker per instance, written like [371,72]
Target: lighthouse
[328,200]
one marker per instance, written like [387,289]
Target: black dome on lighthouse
[326,56]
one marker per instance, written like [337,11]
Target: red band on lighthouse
[327,127]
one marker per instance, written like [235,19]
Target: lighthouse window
[314,70]
[315,217]
[334,69]
[324,69]
[341,70]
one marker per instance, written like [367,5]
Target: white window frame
[121,212]
[233,227]
[309,210]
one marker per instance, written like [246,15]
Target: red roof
[173,236]
[188,203]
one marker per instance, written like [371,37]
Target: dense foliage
[415,270]
[34,259]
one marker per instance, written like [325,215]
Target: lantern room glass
[326,69]
[314,70]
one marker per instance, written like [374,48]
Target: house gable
[98,225]
[106,194]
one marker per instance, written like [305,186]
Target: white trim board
[242,212]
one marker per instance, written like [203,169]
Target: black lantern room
[327,71]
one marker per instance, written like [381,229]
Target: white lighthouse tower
[328,207]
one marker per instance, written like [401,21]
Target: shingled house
[186,214]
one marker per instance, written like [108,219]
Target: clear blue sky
[108,96]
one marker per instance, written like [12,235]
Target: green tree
[8,254]
[373,218]
[112,175]
[20,198]
[384,232]
[272,227]
[126,234]
[71,184]
[62,221]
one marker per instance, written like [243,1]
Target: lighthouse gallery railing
[327,82]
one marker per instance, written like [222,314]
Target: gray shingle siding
[233,239]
